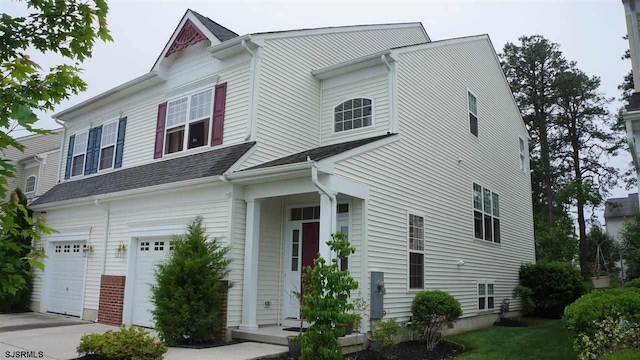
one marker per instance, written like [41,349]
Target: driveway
[56,337]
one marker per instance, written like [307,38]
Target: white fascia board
[136,84]
[462,40]
[232,47]
[351,65]
[327,162]
[335,29]
[173,186]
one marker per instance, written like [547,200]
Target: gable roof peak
[219,31]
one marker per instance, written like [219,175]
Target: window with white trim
[108,145]
[486,296]
[522,154]
[486,214]
[187,122]
[473,114]
[416,252]
[353,114]
[30,184]
[79,153]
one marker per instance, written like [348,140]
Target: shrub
[582,316]
[326,304]
[524,293]
[625,355]
[126,344]
[554,285]
[612,335]
[432,310]
[635,283]
[386,334]
[189,292]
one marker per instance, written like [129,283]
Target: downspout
[107,211]
[326,191]
[64,134]
[247,134]
[390,93]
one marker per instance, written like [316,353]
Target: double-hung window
[522,154]
[485,295]
[486,214]
[108,145]
[187,122]
[473,113]
[416,252]
[79,153]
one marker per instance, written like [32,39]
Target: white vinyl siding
[286,83]
[376,89]
[194,69]
[433,117]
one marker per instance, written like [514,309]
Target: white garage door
[150,251]
[66,278]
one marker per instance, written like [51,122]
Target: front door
[303,245]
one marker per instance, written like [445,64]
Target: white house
[414,148]
[36,167]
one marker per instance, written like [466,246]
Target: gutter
[64,135]
[108,93]
[269,170]
[107,211]
[326,71]
[229,44]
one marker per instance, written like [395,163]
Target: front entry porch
[287,224]
[277,335]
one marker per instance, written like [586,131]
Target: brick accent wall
[111,299]
[222,331]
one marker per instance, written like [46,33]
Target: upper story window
[522,154]
[486,214]
[108,145]
[473,114]
[188,122]
[79,153]
[353,114]
[30,184]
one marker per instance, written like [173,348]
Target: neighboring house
[36,168]
[617,211]
[415,149]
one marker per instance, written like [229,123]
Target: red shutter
[219,101]
[162,116]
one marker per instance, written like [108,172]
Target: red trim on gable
[188,35]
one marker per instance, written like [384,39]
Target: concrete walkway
[40,334]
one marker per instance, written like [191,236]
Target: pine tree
[189,292]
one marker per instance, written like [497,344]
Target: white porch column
[250,280]
[327,225]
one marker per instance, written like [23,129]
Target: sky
[589,32]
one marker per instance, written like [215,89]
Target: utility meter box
[377,295]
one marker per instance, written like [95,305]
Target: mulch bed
[511,323]
[412,350]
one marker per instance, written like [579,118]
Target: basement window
[485,295]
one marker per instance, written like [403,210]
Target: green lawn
[543,339]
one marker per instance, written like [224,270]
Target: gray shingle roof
[205,164]
[221,32]
[319,153]
[616,207]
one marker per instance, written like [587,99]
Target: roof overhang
[382,57]
[142,82]
[233,47]
[177,186]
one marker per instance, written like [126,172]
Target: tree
[584,145]
[630,243]
[531,69]
[190,291]
[68,28]
[555,243]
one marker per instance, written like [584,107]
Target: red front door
[310,243]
